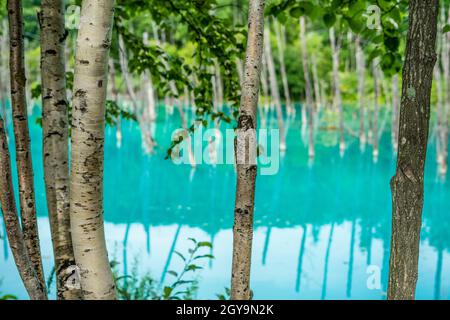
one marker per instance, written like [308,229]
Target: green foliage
[224,296]
[134,287]
[112,110]
[215,40]
[184,287]
[354,15]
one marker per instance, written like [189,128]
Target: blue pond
[322,230]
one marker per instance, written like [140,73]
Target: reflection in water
[317,228]
[327,258]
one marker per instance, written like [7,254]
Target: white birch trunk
[280,35]
[308,88]
[274,88]
[337,101]
[245,148]
[88,134]
[360,67]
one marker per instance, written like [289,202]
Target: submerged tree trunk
[55,140]
[408,182]
[88,125]
[245,149]
[316,84]
[280,34]
[22,137]
[308,88]
[16,240]
[274,88]
[360,67]
[376,94]
[337,100]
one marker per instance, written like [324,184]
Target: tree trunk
[55,140]
[16,240]
[395,112]
[361,68]
[439,114]
[337,102]
[263,110]
[115,97]
[316,84]
[376,94]
[308,88]
[22,137]
[280,34]
[443,134]
[88,125]
[408,182]
[274,88]
[245,149]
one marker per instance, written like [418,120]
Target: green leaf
[446,28]
[204,244]
[173,273]
[303,8]
[375,53]
[356,24]
[180,255]
[392,43]
[166,292]
[193,267]
[329,19]
[204,256]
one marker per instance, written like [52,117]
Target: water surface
[319,228]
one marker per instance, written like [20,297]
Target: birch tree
[22,137]
[88,124]
[280,34]
[376,95]
[408,182]
[308,88]
[274,88]
[245,149]
[360,69]
[337,98]
[14,232]
[55,139]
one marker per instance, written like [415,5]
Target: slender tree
[22,136]
[14,232]
[408,182]
[308,87]
[245,149]
[274,88]
[280,34]
[376,95]
[55,140]
[360,69]
[88,125]
[337,98]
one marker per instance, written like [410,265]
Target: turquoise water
[321,230]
